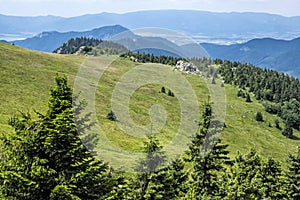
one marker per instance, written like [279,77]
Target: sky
[68,8]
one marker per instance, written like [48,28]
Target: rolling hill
[27,76]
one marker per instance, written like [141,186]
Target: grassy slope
[140,103]
[26,77]
[244,132]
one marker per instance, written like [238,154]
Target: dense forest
[279,92]
[90,46]
[147,57]
[45,159]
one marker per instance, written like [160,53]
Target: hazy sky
[79,7]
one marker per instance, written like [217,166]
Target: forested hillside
[90,46]
[279,93]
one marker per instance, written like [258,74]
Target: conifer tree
[259,117]
[293,176]
[271,180]
[168,182]
[242,180]
[45,157]
[154,159]
[163,90]
[208,157]
[248,98]
[288,131]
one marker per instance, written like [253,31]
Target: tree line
[279,92]
[147,57]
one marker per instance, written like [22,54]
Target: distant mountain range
[208,28]
[282,55]
[200,25]
[49,41]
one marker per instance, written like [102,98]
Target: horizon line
[152,10]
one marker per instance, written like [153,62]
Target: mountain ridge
[185,21]
[49,41]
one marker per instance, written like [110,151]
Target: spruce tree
[271,180]
[168,182]
[208,158]
[259,117]
[46,158]
[288,131]
[111,116]
[242,181]
[154,159]
[293,176]
[163,90]
[248,98]
[277,125]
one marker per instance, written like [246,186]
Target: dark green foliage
[208,170]
[218,61]
[146,58]
[196,145]
[170,93]
[73,45]
[293,176]
[241,93]
[168,182]
[102,47]
[277,125]
[290,113]
[154,181]
[111,116]
[252,178]
[248,98]
[288,131]
[208,158]
[163,90]
[87,49]
[62,192]
[242,183]
[45,158]
[153,160]
[272,108]
[259,117]
[213,81]
[271,180]
[280,92]
[154,156]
